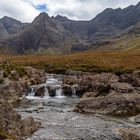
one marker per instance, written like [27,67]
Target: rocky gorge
[74,105]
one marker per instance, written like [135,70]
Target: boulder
[11,90]
[122,87]
[28,126]
[126,78]
[135,119]
[52,91]
[40,92]
[12,126]
[129,133]
[14,75]
[1,73]
[115,105]
[136,77]
[67,90]
[38,76]
[90,95]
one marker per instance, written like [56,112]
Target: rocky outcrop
[122,87]
[12,126]
[129,133]
[90,95]
[11,90]
[40,92]
[36,76]
[136,77]
[113,104]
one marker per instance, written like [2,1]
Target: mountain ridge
[62,35]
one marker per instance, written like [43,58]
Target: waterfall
[32,93]
[52,82]
[59,92]
[46,92]
[73,91]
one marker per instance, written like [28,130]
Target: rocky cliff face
[9,26]
[60,34]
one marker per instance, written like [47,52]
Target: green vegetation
[21,71]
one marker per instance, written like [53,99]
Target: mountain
[62,35]
[9,26]
[42,34]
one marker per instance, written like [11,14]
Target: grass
[91,61]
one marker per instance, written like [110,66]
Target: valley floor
[90,61]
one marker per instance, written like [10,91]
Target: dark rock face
[40,92]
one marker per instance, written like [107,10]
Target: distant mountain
[9,26]
[42,34]
[62,35]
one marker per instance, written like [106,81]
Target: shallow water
[58,123]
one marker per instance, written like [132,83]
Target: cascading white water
[32,93]
[59,92]
[46,92]
[51,83]
[73,88]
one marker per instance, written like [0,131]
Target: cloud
[27,10]
[18,9]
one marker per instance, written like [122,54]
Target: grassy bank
[118,61]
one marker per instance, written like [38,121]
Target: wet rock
[136,77]
[40,106]
[116,105]
[40,92]
[52,91]
[67,90]
[122,87]
[129,133]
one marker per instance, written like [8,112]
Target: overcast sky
[27,10]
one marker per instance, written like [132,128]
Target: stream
[60,123]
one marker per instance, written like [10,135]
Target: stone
[52,91]
[115,105]
[90,95]
[14,75]
[40,106]
[29,126]
[40,92]
[135,119]
[67,90]
[122,87]
[136,77]
[12,126]
[129,133]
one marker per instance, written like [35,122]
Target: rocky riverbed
[77,105]
[59,122]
